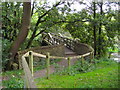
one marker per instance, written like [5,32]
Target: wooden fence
[28,69]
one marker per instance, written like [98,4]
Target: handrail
[56,57]
[28,73]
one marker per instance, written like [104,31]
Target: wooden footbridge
[59,47]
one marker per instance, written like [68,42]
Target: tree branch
[33,8]
[40,33]
[39,21]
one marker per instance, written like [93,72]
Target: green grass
[104,76]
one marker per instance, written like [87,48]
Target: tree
[94,27]
[100,28]
[24,29]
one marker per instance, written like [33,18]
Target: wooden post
[31,62]
[19,61]
[82,61]
[26,83]
[69,64]
[91,57]
[48,64]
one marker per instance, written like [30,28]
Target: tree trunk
[94,29]
[100,30]
[24,29]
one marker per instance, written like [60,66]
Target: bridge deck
[69,52]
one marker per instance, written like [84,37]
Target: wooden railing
[28,69]
[56,39]
[69,43]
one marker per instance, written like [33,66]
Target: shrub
[5,55]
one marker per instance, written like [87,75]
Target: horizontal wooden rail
[56,57]
[39,55]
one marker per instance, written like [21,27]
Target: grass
[14,79]
[104,76]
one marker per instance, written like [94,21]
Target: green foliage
[11,19]
[84,30]
[6,44]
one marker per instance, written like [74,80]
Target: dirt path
[62,64]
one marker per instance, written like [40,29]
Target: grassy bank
[105,75]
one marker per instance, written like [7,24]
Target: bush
[6,44]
